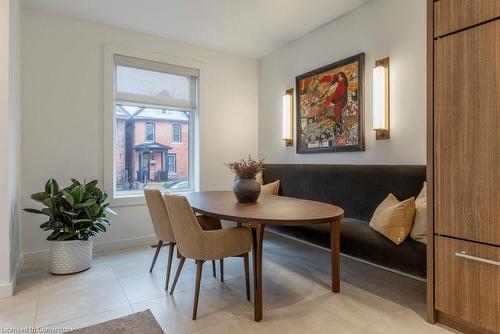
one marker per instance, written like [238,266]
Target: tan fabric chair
[200,245]
[163,229]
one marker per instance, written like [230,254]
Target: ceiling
[252,28]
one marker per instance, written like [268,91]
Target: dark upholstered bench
[358,189]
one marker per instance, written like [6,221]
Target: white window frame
[109,120]
[146,132]
[173,133]
[175,162]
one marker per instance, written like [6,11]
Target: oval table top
[269,209]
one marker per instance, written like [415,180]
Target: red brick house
[151,146]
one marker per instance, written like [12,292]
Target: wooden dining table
[271,210]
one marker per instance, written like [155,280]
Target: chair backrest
[187,230]
[159,215]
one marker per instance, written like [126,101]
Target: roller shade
[155,83]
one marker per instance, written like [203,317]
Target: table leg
[257,239]
[335,250]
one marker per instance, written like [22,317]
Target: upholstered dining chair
[195,243]
[163,229]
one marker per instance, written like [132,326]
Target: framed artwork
[330,107]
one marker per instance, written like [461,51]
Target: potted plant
[75,215]
[246,188]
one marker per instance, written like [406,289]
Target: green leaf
[77,221]
[68,197]
[96,210]
[103,221]
[109,210]
[72,214]
[84,225]
[75,181]
[85,204]
[82,192]
[51,187]
[54,235]
[36,211]
[47,211]
[101,227]
[78,191]
[97,193]
[48,202]
[40,197]
[94,229]
[75,193]
[65,236]
[44,225]
[90,186]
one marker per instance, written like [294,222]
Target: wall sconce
[287,134]
[381,102]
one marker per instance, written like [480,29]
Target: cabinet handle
[475,258]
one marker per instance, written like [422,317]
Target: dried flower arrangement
[246,169]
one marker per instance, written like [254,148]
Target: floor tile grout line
[83,316]
[119,281]
[38,298]
[87,315]
[344,319]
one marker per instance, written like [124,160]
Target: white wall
[10,110]
[62,110]
[380,28]
[15,137]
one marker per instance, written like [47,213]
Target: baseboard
[352,257]
[125,243]
[43,255]
[7,289]
[460,325]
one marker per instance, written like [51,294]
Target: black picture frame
[301,147]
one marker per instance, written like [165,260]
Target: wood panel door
[467,134]
[467,279]
[453,15]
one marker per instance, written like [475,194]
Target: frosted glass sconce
[381,105]
[287,134]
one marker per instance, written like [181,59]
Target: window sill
[132,200]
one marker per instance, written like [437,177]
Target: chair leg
[169,263]
[199,269]
[247,275]
[158,247]
[213,268]
[221,270]
[177,274]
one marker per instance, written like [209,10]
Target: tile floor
[297,297]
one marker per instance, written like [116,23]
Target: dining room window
[155,104]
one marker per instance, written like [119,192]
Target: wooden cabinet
[467,284]
[467,134]
[463,172]
[453,15]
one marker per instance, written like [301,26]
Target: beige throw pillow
[393,218]
[259,178]
[419,229]
[270,188]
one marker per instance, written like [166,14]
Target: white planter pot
[68,257]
